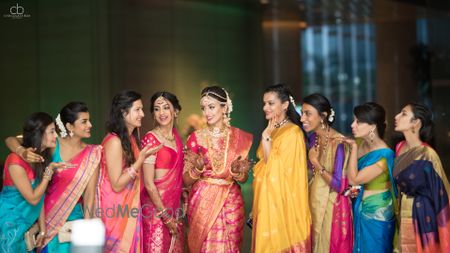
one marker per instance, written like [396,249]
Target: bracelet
[132,172]
[322,170]
[268,139]
[239,176]
[42,233]
[195,176]
[48,173]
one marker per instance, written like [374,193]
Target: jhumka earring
[371,135]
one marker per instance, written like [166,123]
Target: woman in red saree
[120,181]
[163,181]
[215,161]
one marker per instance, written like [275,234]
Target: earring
[371,135]
[322,125]
[71,133]
[413,130]
[226,119]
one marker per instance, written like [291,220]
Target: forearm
[13,144]
[41,220]
[353,167]
[267,147]
[126,176]
[154,196]
[88,205]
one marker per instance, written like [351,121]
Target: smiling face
[405,122]
[163,112]
[310,118]
[133,118]
[49,137]
[361,129]
[273,107]
[82,126]
[213,111]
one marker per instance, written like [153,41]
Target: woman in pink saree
[120,180]
[163,181]
[215,161]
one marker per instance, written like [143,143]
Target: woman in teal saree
[21,200]
[371,164]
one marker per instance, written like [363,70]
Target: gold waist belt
[217,181]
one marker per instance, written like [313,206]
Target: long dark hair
[166,95]
[425,116]
[284,94]
[373,114]
[322,105]
[69,113]
[33,133]
[122,102]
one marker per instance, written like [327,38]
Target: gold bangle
[192,176]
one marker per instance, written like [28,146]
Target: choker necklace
[216,131]
[166,137]
[278,125]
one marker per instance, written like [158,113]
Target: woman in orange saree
[120,181]
[215,161]
[281,216]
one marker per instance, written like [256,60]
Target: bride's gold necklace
[218,163]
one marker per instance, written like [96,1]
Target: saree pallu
[156,236]
[330,210]
[122,226]
[425,210]
[64,193]
[216,207]
[16,214]
[374,216]
[281,214]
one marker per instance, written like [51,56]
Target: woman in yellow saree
[215,161]
[281,216]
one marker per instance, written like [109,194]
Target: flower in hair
[62,129]
[291,99]
[229,103]
[331,117]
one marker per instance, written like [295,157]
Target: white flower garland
[331,116]
[62,129]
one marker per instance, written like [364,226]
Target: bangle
[322,170]
[48,173]
[193,175]
[132,172]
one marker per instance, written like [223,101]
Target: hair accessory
[62,129]
[331,117]
[229,103]
[292,100]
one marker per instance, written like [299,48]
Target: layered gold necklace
[218,163]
